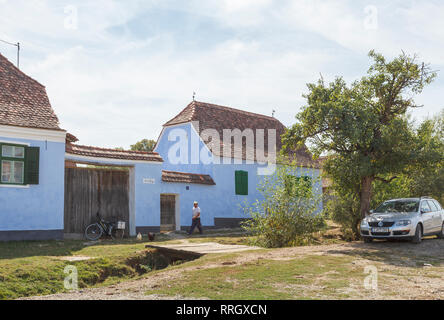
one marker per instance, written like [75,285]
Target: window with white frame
[12,159]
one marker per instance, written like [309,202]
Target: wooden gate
[167,212]
[88,191]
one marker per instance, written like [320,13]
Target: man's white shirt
[196,211]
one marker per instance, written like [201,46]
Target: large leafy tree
[427,177]
[364,127]
[144,145]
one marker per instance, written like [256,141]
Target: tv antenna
[273,112]
[18,50]
[194,96]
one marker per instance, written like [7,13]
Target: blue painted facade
[36,207]
[215,201]
[219,201]
[41,207]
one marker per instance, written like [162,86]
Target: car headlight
[364,223]
[402,223]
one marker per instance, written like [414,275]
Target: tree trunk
[366,194]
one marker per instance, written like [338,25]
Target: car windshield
[398,206]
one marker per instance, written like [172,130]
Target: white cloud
[113,89]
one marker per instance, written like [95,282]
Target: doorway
[169,208]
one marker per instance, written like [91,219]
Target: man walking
[196,219]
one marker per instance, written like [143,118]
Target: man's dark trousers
[196,223]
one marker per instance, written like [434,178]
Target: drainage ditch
[96,271]
[159,258]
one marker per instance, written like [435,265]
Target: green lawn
[36,268]
[32,268]
[404,271]
[333,271]
[298,278]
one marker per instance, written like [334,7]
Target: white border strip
[27,144]
[32,134]
[15,186]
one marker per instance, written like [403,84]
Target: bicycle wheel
[93,232]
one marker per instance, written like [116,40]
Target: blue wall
[219,201]
[41,207]
[148,195]
[37,207]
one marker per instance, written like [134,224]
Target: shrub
[289,212]
[344,209]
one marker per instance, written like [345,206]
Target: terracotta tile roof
[23,101]
[211,116]
[71,138]
[112,153]
[183,177]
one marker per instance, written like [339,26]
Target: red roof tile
[112,153]
[23,101]
[183,177]
[211,116]
[71,138]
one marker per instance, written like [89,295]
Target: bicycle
[96,230]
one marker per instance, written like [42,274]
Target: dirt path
[206,247]
[392,258]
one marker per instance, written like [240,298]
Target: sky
[115,71]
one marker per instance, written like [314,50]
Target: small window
[425,207]
[7,151]
[241,182]
[437,205]
[13,171]
[19,165]
[432,206]
[13,152]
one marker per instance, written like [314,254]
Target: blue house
[32,152]
[217,173]
[51,186]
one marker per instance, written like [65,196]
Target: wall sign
[149,181]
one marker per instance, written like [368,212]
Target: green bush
[344,210]
[289,212]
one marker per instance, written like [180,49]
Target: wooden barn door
[167,212]
[88,191]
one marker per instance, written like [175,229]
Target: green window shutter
[245,182]
[237,181]
[241,182]
[32,165]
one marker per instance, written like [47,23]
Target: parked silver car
[410,218]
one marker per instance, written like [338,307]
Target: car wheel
[418,234]
[368,240]
[441,234]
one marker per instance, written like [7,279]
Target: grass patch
[266,279]
[37,268]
